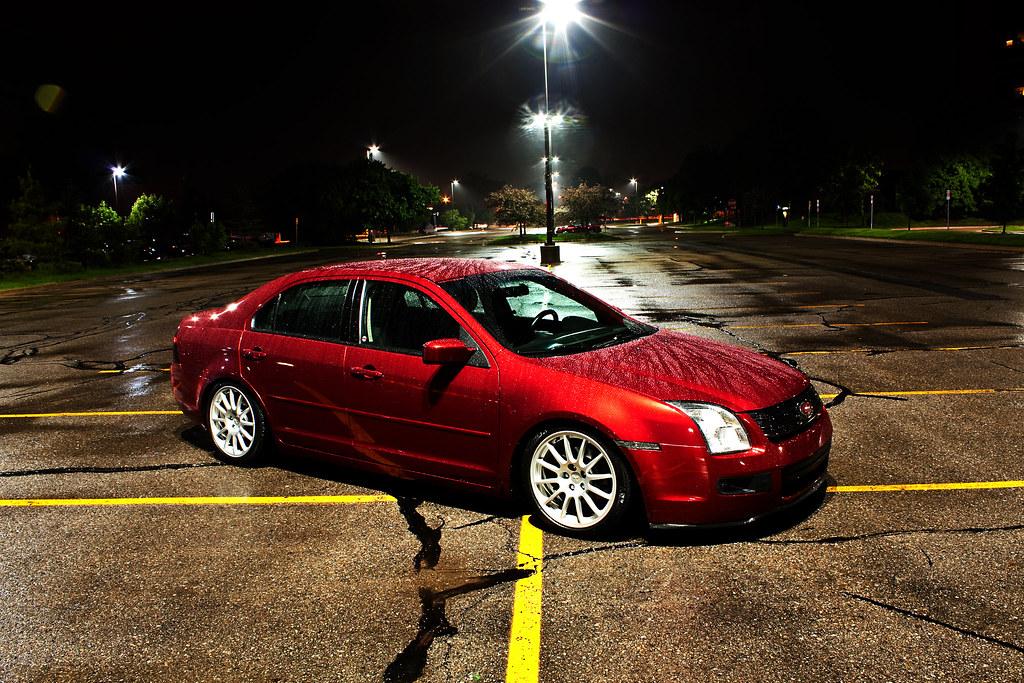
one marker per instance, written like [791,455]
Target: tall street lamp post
[636,198]
[549,252]
[559,13]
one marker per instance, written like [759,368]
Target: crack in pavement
[119,365]
[408,665]
[428,536]
[931,620]
[12,357]
[830,540]
[109,470]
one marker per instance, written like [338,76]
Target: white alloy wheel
[574,481]
[235,423]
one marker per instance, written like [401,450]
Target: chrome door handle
[369,372]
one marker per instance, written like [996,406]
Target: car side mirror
[442,351]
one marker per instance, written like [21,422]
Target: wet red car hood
[673,366]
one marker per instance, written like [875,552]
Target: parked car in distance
[505,379]
[578,227]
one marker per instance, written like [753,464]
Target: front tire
[237,425]
[575,481]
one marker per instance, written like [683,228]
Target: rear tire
[575,481]
[237,425]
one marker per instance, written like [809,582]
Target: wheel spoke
[553,453]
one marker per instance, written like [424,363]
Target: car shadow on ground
[634,531]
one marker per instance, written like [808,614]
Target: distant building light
[1009,43]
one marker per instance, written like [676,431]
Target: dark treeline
[778,165]
[839,173]
[324,204]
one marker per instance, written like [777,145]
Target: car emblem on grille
[807,409]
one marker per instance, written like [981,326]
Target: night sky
[215,98]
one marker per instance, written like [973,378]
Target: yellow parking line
[196,500]
[98,413]
[135,369]
[962,486]
[768,308]
[939,392]
[759,327]
[524,639]
[935,348]
[824,353]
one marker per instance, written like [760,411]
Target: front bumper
[798,482]
[683,486]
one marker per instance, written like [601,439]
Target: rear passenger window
[313,310]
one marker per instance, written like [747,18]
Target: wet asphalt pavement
[918,349]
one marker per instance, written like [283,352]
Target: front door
[435,419]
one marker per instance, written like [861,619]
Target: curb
[961,245]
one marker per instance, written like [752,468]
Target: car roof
[431,269]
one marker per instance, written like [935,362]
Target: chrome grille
[783,420]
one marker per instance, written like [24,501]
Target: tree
[206,237]
[849,184]
[93,235]
[588,204]
[334,203]
[924,189]
[151,224]
[454,220]
[1004,188]
[33,229]
[516,206]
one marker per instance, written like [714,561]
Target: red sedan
[506,379]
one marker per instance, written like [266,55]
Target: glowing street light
[371,150]
[454,183]
[115,173]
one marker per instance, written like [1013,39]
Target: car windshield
[536,314]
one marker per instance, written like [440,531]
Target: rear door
[294,357]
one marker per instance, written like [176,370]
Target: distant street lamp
[454,183]
[371,150]
[115,173]
[636,197]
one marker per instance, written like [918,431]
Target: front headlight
[723,432]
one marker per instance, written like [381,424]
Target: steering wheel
[547,311]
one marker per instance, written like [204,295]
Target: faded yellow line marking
[691,296]
[824,353]
[98,413]
[962,486]
[759,327]
[795,325]
[131,370]
[939,392]
[197,500]
[769,308]
[524,639]
[931,349]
